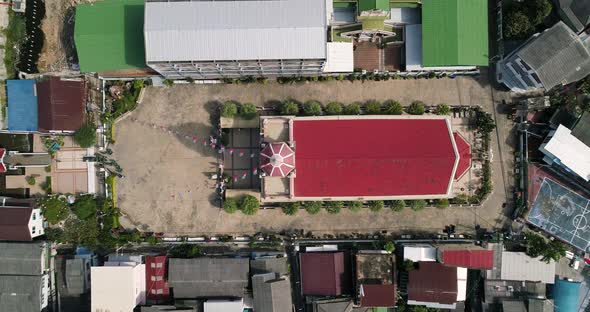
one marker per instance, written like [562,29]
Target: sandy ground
[166,188]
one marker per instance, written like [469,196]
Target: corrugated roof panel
[235,30]
[22,105]
[482,259]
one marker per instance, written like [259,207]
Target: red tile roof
[61,104]
[377,295]
[324,273]
[156,281]
[464,150]
[373,157]
[433,282]
[477,259]
[14,223]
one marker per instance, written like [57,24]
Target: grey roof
[513,306]
[540,305]
[269,265]
[517,266]
[575,12]
[208,277]
[271,294]
[75,276]
[582,128]
[21,258]
[558,56]
[333,305]
[20,293]
[160,308]
[235,30]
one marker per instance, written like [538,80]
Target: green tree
[81,233]
[442,109]
[398,205]
[352,109]
[376,205]
[230,205]
[419,309]
[290,209]
[555,251]
[442,203]
[249,205]
[418,204]
[389,246]
[54,235]
[185,251]
[373,108]
[416,108]
[334,108]
[536,245]
[355,206]
[312,108]
[484,122]
[229,109]
[313,207]
[391,107]
[248,111]
[86,135]
[461,198]
[289,108]
[517,25]
[538,10]
[55,209]
[85,207]
[408,266]
[334,207]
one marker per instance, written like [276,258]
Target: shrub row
[389,107]
[232,109]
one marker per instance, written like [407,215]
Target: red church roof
[373,157]
[464,150]
[477,259]
[277,159]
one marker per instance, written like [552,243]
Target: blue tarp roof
[566,295]
[22,105]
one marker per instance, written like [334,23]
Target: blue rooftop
[566,295]
[22,105]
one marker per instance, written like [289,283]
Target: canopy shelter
[277,159]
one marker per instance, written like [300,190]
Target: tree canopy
[229,109]
[85,207]
[312,108]
[55,209]
[86,135]
[289,108]
[249,205]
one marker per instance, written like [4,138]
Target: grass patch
[373,22]
[15,34]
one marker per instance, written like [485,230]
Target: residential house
[20,220]
[77,276]
[118,286]
[157,289]
[333,305]
[325,273]
[564,150]
[496,292]
[270,284]
[418,253]
[518,266]
[208,277]
[437,286]
[558,56]
[575,13]
[24,276]
[466,256]
[375,279]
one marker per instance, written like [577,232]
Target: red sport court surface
[378,157]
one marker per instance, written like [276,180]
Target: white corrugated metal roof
[223,306]
[461,284]
[517,266]
[340,58]
[235,30]
[571,152]
[419,253]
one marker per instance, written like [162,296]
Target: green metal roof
[367,5]
[455,33]
[109,35]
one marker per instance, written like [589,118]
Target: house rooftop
[576,13]
[22,105]
[62,104]
[571,152]
[375,277]
[269,265]
[435,283]
[21,293]
[75,277]
[208,277]
[271,293]
[518,266]
[325,273]
[22,258]
[14,223]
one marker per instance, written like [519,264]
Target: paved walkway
[182,106]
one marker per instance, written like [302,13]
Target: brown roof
[433,282]
[373,295]
[375,273]
[62,104]
[14,223]
[325,273]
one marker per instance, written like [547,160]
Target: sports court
[562,213]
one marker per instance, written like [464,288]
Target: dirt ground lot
[166,186]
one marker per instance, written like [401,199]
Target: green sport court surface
[109,35]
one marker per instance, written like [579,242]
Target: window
[159,265]
[34,216]
[153,291]
[158,278]
[160,291]
[153,278]
[34,229]
[153,265]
